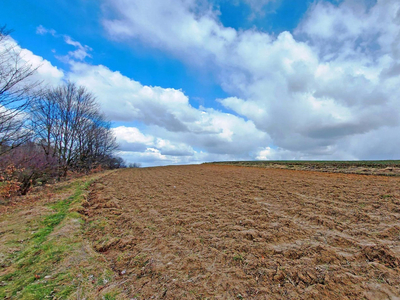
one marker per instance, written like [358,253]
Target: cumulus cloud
[174,131]
[174,127]
[133,140]
[45,71]
[148,158]
[153,157]
[316,92]
[328,90]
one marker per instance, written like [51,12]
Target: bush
[24,167]
[9,184]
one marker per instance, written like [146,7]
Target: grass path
[43,254]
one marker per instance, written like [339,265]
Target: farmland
[197,232]
[368,167]
[226,232]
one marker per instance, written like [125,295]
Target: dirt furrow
[224,232]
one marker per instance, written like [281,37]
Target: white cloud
[173,126]
[173,129]
[42,31]
[148,158]
[153,157]
[81,52]
[132,140]
[45,71]
[327,91]
[335,79]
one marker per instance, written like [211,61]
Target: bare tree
[96,143]
[16,89]
[46,118]
[69,126]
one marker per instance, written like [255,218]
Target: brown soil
[225,232]
[383,168]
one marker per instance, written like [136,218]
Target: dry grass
[42,250]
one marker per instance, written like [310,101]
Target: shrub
[9,185]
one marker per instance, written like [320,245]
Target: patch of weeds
[238,257]
[385,196]
[109,296]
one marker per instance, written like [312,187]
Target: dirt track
[224,232]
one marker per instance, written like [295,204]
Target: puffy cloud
[125,99]
[191,26]
[329,90]
[153,157]
[45,71]
[131,139]
[174,132]
[354,27]
[148,158]
[332,81]
[174,127]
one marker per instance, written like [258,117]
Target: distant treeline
[47,133]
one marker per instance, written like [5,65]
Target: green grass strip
[40,258]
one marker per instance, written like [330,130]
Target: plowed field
[226,232]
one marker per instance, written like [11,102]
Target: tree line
[45,133]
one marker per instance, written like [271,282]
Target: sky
[190,81]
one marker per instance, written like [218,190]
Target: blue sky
[187,81]
[81,20]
